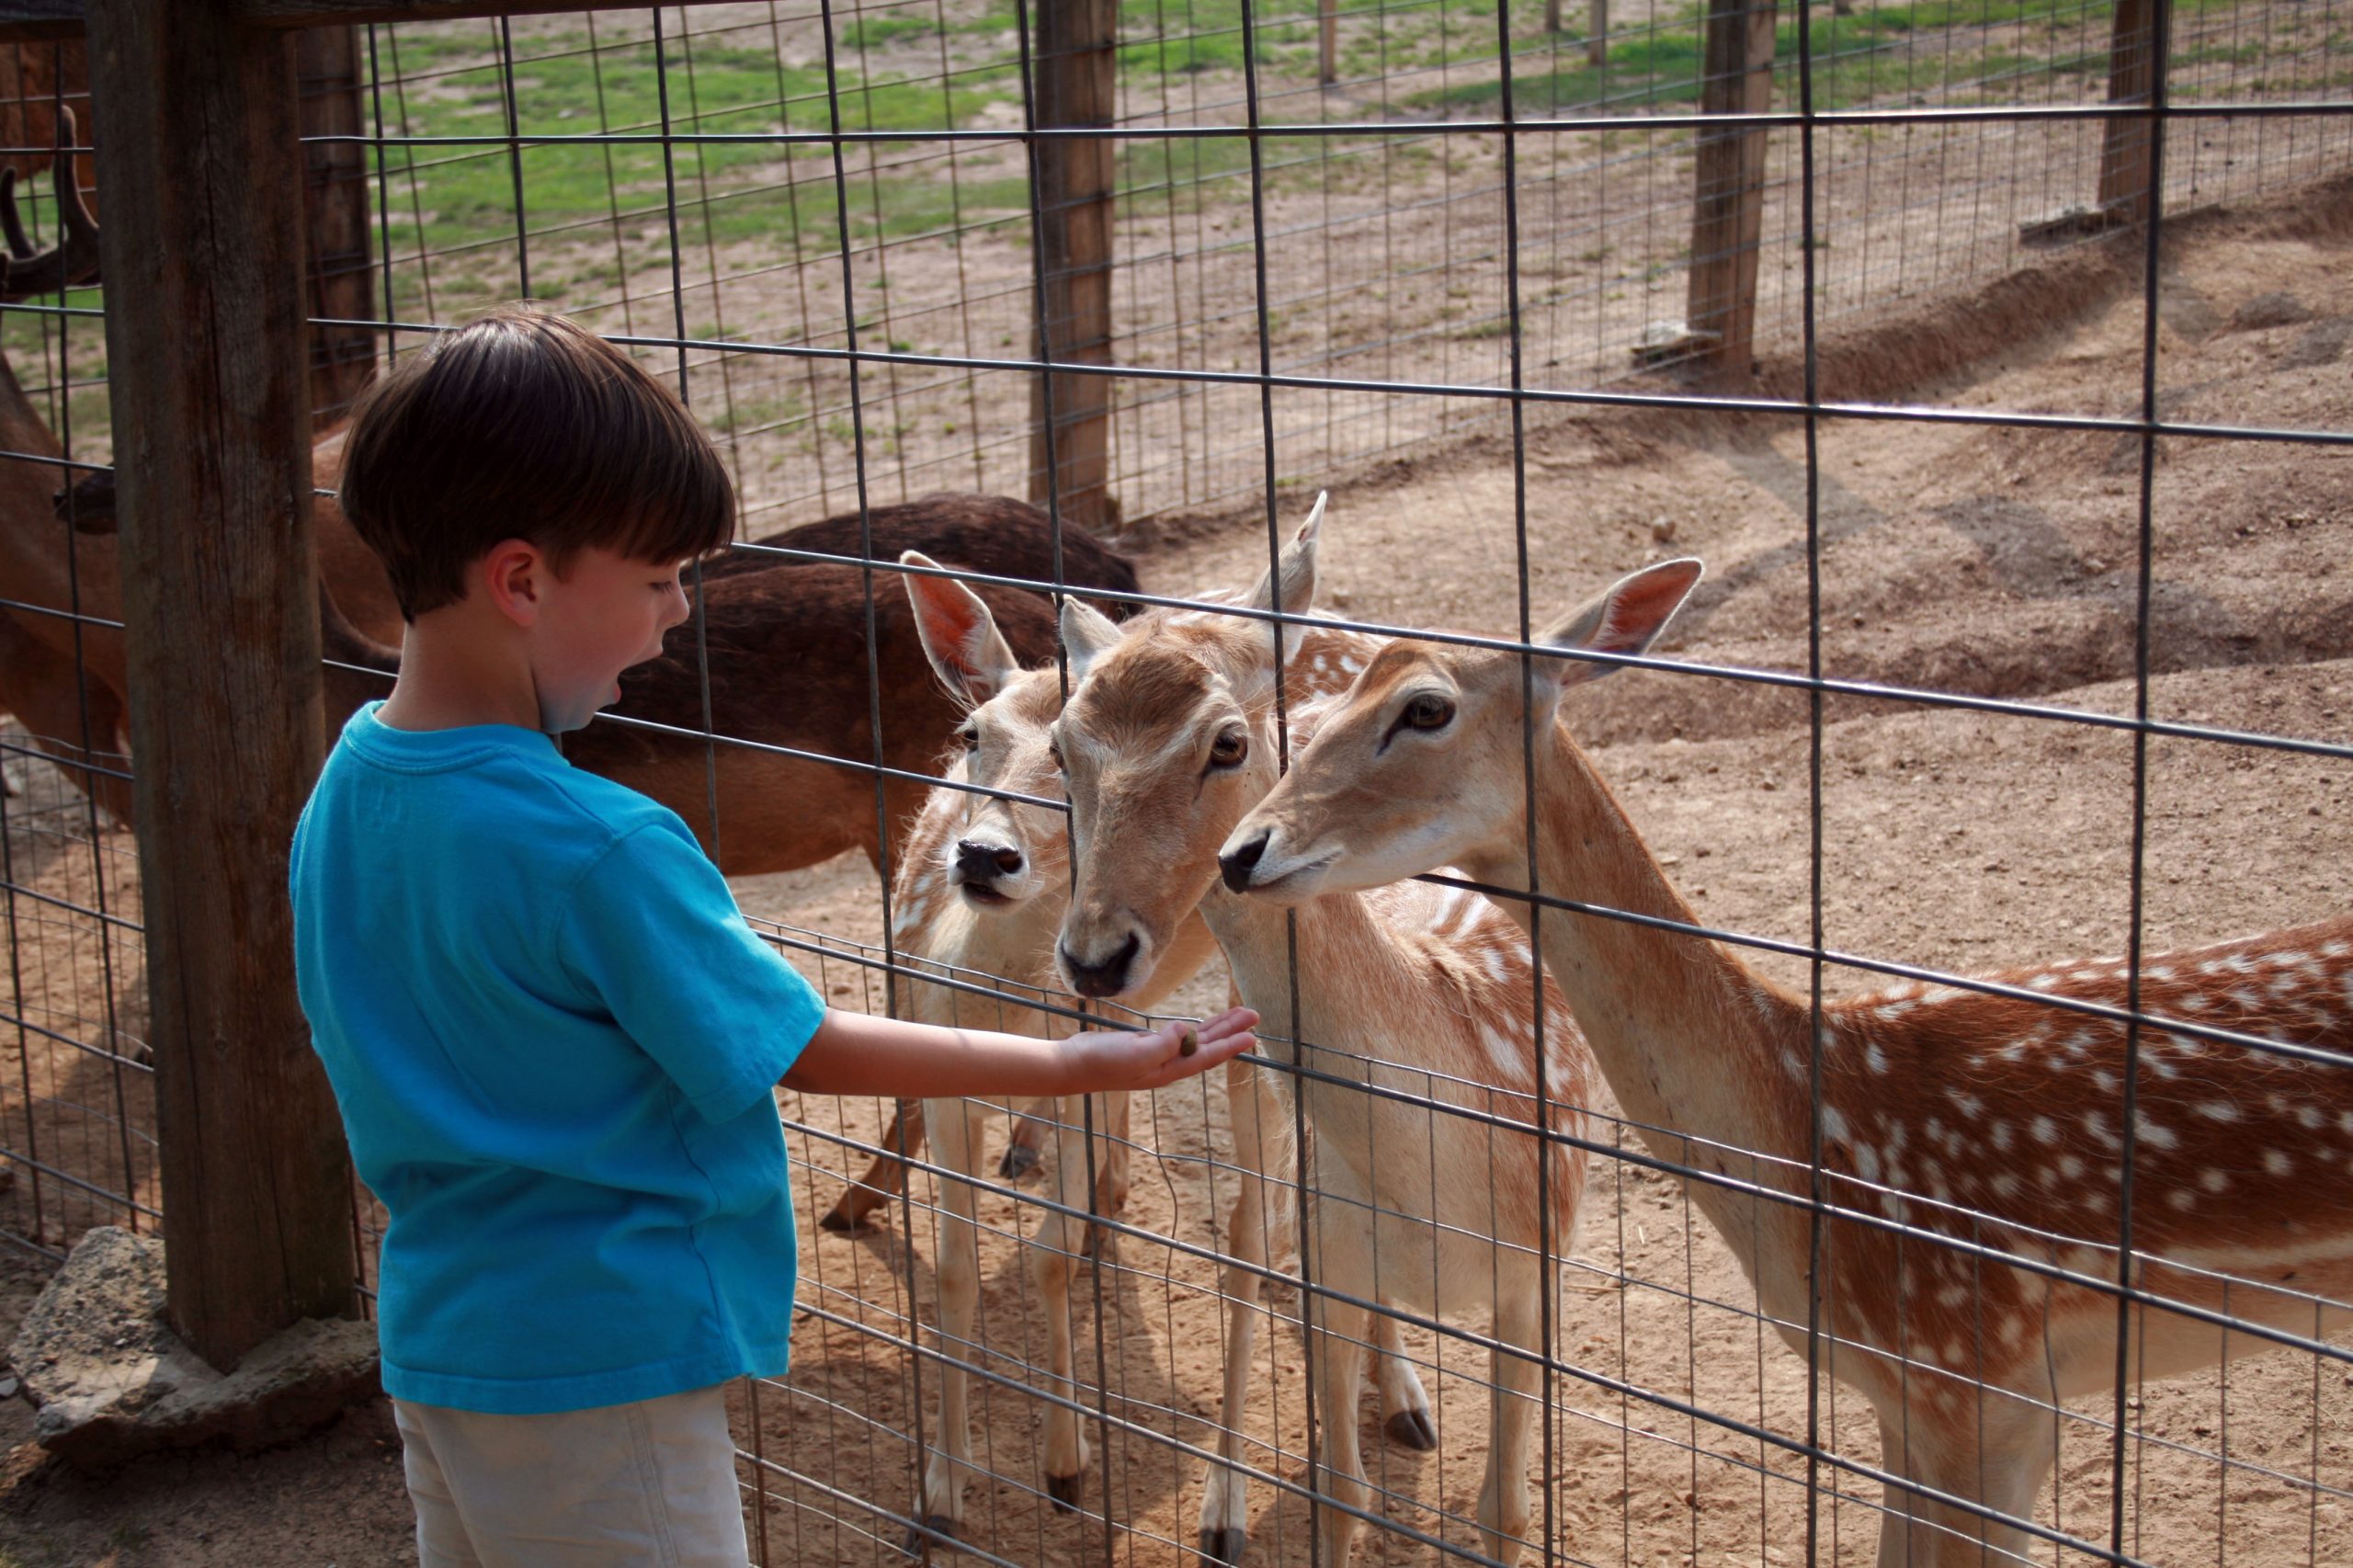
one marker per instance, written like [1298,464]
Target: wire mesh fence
[2049,660]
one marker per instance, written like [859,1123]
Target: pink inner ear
[1639,609]
[949,617]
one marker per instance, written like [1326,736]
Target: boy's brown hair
[525,425]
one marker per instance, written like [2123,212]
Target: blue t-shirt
[553,1040]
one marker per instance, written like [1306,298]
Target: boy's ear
[959,636]
[1625,618]
[511,574]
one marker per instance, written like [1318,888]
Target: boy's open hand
[1124,1059]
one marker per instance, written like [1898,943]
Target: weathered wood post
[1597,33]
[1327,40]
[335,187]
[1077,85]
[2125,160]
[203,266]
[1728,208]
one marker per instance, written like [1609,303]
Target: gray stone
[112,1381]
[2269,311]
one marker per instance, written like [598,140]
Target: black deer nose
[1238,862]
[1106,979]
[982,862]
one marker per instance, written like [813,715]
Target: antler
[75,259]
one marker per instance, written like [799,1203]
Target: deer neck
[1340,952]
[1688,1037]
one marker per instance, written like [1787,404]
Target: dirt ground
[1994,562]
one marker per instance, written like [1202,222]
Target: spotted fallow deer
[1169,737]
[1987,1118]
[980,897]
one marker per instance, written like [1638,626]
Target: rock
[2269,310]
[112,1381]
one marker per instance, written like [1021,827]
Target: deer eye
[971,736]
[1229,749]
[1428,711]
[1054,753]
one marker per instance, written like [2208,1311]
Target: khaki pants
[644,1485]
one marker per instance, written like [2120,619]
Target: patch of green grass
[468,192]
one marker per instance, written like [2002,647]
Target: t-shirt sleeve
[652,929]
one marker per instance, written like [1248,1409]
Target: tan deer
[979,897]
[1168,738]
[1991,1119]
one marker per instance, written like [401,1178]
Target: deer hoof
[842,1222]
[934,1527]
[1224,1546]
[1411,1429]
[1063,1490]
[1019,1163]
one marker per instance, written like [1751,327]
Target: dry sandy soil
[1997,562]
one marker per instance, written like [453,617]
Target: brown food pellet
[1191,1043]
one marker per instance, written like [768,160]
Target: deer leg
[1336,1336]
[1512,1404]
[1404,1407]
[47,695]
[1110,1169]
[1052,1257]
[885,1178]
[1225,1497]
[2005,1473]
[1025,1150]
[940,1510]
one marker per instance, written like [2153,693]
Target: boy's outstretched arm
[856,1053]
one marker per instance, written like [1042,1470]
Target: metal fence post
[203,263]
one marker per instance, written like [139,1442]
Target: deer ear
[1292,590]
[1088,635]
[1625,618]
[959,636]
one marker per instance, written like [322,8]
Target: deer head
[74,258]
[1005,852]
[1167,739]
[1422,760]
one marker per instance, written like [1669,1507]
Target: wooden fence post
[1076,84]
[335,185]
[2125,162]
[1327,40]
[1597,32]
[202,252]
[1728,208]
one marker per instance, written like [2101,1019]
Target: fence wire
[1336,237]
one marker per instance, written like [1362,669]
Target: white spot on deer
[2246,998]
[1866,1162]
[2162,971]
[2087,976]
[2005,1185]
[2045,1130]
[2097,1124]
[1874,1058]
[1834,1124]
[2276,1161]
[2046,981]
[2181,1197]
[2336,949]
[1898,1008]
[2069,1166]
[1955,1350]
[2291,960]
[2213,1178]
[1792,1063]
[1895,1137]
[2000,1134]
[2104,1080]
[1968,1105]
[2219,1111]
[2152,1133]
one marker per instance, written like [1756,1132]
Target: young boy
[551,1035]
